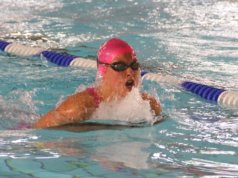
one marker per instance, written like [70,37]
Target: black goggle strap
[102,63]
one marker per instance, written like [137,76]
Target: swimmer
[118,72]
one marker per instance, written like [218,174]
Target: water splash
[131,109]
[18,108]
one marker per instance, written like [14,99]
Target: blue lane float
[223,97]
[3,45]
[58,58]
[206,92]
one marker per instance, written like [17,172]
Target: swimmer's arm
[74,109]
[154,104]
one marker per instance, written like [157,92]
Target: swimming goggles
[121,66]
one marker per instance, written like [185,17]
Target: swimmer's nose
[129,72]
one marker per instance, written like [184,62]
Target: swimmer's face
[122,81]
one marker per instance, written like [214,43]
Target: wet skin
[119,83]
[113,86]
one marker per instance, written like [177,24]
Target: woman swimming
[118,72]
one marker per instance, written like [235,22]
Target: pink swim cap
[111,49]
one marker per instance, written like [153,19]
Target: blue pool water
[189,39]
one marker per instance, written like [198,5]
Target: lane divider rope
[221,96]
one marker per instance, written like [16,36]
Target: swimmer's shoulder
[147,96]
[154,103]
[84,98]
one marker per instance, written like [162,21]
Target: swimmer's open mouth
[130,84]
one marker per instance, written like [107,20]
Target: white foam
[16,15]
[132,109]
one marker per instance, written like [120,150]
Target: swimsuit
[94,94]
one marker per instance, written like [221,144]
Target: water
[190,39]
